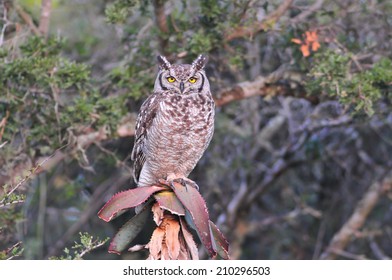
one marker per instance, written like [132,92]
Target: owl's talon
[165,182]
[185,183]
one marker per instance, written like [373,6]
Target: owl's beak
[182,87]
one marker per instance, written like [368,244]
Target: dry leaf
[305,50]
[157,213]
[155,244]
[137,248]
[172,240]
[315,46]
[184,253]
[165,252]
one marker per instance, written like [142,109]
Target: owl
[175,123]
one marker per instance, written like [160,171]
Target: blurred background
[300,163]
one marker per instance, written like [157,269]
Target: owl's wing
[144,120]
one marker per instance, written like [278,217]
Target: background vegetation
[300,163]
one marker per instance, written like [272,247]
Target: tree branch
[6,22]
[263,86]
[341,239]
[27,19]
[310,10]
[46,9]
[248,89]
[161,22]
[246,31]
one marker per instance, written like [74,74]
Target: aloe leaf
[198,212]
[129,231]
[167,200]
[126,199]
[219,242]
[189,240]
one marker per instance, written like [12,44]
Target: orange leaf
[305,50]
[296,41]
[315,46]
[311,36]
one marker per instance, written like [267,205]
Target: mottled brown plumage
[175,124]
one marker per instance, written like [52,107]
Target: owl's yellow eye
[192,80]
[171,79]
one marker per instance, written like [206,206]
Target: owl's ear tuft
[199,63]
[163,62]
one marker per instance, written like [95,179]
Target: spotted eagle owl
[175,123]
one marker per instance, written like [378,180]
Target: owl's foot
[185,182]
[181,180]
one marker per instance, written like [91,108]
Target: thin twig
[3,122]
[11,203]
[9,250]
[94,246]
[309,11]
[27,19]
[6,23]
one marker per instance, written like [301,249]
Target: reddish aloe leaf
[219,241]
[196,206]
[129,231]
[168,201]
[126,199]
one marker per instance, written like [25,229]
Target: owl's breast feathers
[172,132]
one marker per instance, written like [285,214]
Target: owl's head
[182,78]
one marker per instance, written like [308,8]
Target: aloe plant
[175,207]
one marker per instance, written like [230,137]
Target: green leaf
[129,231]
[168,201]
[219,242]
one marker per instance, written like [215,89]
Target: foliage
[120,10]
[11,253]
[36,77]
[86,244]
[331,74]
